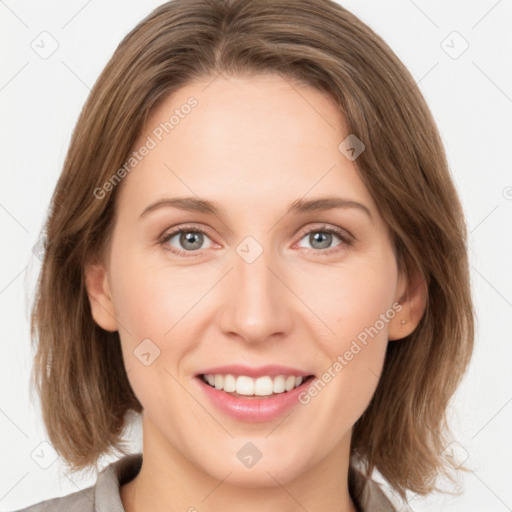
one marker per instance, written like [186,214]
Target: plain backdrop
[459,52]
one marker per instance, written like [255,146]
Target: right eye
[190,240]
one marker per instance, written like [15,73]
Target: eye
[321,238]
[189,240]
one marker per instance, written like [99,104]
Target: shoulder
[103,496]
[80,501]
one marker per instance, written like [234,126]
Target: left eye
[322,238]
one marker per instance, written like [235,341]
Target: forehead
[254,139]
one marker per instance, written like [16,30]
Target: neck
[169,482]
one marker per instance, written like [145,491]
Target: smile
[243,385]
[249,406]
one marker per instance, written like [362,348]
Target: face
[256,283]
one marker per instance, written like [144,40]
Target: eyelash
[346,239]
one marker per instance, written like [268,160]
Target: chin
[266,472]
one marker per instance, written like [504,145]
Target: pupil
[327,238]
[189,238]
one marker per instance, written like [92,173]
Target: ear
[412,294]
[100,299]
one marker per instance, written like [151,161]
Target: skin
[254,145]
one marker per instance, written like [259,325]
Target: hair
[78,368]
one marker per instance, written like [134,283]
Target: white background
[471,99]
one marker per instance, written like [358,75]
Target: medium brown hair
[78,368]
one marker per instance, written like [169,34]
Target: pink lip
[273,370]
[253,409]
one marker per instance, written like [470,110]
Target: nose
[258,305]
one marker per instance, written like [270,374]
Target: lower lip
[254,409]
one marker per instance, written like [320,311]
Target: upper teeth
[262,386]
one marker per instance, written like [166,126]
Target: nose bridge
[257,306]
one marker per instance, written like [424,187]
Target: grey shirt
[105,496]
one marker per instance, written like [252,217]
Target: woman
[255,243]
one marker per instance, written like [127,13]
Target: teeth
[262,386]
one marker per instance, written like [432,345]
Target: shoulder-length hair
[78,367]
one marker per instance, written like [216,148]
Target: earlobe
[414,302]
[100,299]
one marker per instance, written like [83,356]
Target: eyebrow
[194,204]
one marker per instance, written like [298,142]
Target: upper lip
[272,370]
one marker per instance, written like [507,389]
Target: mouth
[248,399]
[263,387]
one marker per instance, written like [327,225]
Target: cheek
[353,300]
[157,307]
[153,308]
[357,309]
[355,352]
[150,299]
